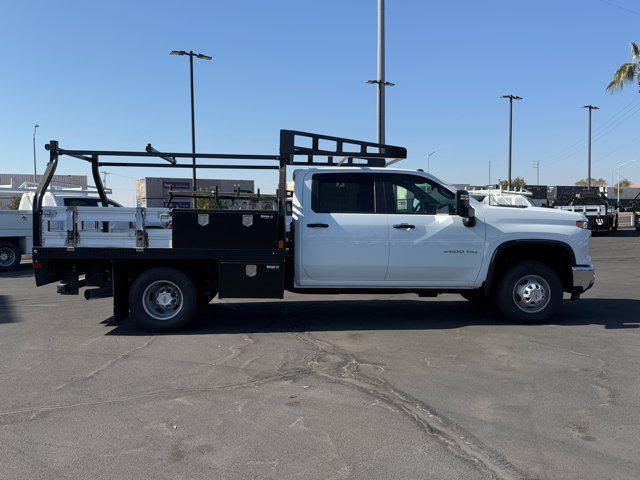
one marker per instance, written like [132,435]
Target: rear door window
[347,192]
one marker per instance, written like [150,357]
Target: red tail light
[37,265]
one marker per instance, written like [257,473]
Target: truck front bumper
[583,278]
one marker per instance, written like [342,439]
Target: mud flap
[120,281]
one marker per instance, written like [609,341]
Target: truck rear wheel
[163,299]
[9,256]
[529,292]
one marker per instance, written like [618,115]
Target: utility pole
[536,165]
[201,56]
[35,168]
[381,82]
[511,98]
[489,184]
[429,155]
[591,108]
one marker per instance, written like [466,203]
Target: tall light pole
[429,155]
[35,168]
[201,56]
[536,165]
[591,108]
[511,98]
[620,166]
[381,82]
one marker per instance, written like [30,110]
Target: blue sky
[98,75]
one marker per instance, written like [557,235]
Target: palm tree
[628,72]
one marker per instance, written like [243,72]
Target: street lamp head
[512,97]
[372,81]
[203,56]
[177,52]
[591,107]
[36,126]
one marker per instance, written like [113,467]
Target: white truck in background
[16,226]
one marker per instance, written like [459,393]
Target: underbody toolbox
[250,280]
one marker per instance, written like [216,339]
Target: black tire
[163,299]
[533,308]
[10,256]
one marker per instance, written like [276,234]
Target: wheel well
[203,273]
[556,255]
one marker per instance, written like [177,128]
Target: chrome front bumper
[583,278]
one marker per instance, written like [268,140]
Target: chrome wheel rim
[531,294]
[162,300]
[7,257]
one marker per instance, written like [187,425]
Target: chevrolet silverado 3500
[357,226]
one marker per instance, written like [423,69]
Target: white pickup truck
[16,226]
[355,229]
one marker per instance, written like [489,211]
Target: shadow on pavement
[318,315]
[7,315]
[24,270]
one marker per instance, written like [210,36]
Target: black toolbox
[250,280]
[225,229]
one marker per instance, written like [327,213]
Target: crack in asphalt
[332,362]
[172,392]
[604,389]
[111,362]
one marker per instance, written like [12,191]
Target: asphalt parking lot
[325,387]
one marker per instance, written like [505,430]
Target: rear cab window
[348,192]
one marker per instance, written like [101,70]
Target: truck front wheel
[9,256]
[163,299]
[529,292]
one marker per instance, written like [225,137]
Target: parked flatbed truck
[16,226]
[359,225]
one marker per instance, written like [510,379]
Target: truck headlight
[582,224]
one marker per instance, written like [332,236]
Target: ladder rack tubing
[185,165]
[117,153]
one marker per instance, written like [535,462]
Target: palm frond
[635,51]
[625,74]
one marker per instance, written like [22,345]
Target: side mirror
[464,208]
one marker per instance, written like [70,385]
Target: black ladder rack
[319,150]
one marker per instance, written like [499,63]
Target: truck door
[344,239]
[429,245]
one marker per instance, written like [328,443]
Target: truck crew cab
[357,226]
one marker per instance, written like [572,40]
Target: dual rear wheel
[163,299]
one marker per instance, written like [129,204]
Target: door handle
[317,225]
[404,226]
